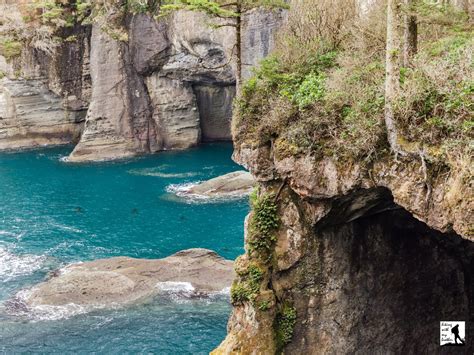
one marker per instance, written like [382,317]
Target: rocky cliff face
[44,94]
[366,258]
[31,115]
[346,254]
[151,85]
[118,122]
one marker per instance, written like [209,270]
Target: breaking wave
[176,287]
[13,266]
[182,192]
[18,306]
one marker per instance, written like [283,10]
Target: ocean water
[53,213]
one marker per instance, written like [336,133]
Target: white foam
[19,306]
[183,191]
[225,291]
[17,236]
[12,265]
[175,287]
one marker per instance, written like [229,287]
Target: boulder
[235,184]
[122,280]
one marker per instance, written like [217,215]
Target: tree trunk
[238,48]
[392,68]
[410,34]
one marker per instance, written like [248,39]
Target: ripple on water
[74,212]
[159,172]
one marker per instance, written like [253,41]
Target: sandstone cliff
[44,90]
[147,84]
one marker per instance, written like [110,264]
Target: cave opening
[379,280]
[214,103]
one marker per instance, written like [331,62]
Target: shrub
[322,91]
[239,293]
[10,48]
[436,105]
[264,305]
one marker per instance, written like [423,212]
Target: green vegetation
[436,107]
[263,305]
[209,7]
[284,325]
[228,14]
[220,8]
[324,94]
[63,14]
[59,14]
[10,48]
[240,293]
[141,6]
[248,287]
[263,223]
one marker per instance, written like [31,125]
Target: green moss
[263,305]
[263,223]
[248,287]
[71,39]
[240,292]
[284,325]
[138,6]
[255,276]
[10,48]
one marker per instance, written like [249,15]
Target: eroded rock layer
[356,258]
[147,84]
[31,115]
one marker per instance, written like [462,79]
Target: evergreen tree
[231,12]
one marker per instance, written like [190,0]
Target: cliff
[44,87]
[121,82]
[351,248]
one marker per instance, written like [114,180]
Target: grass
[436,107]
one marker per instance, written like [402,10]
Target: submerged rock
[123,280]
[235,184]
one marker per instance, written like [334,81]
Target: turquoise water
[53,213]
